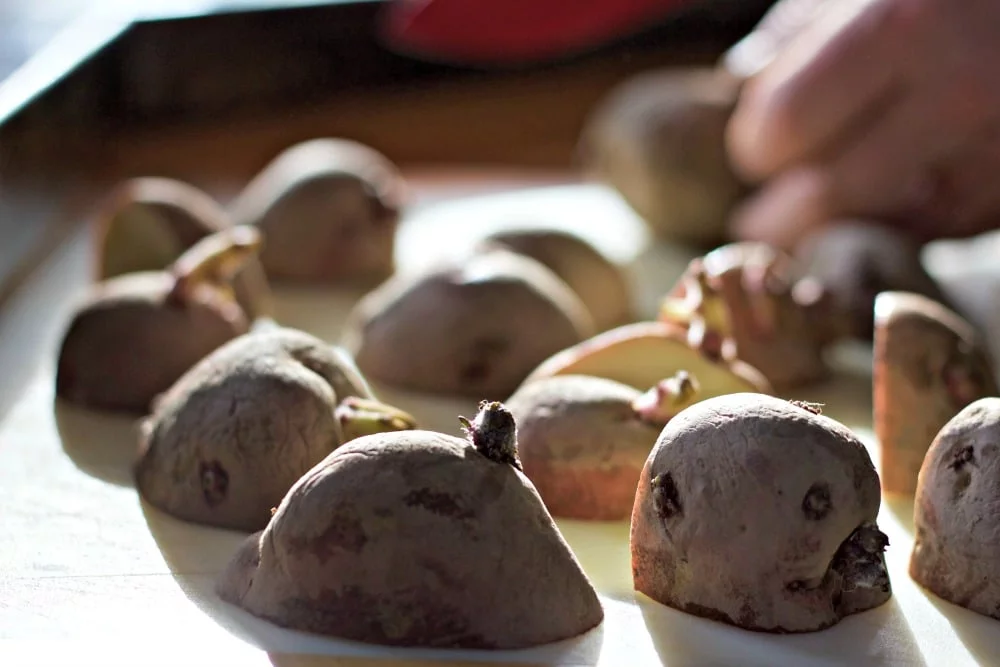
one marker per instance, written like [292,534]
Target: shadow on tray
[197,555]
[100,444]
[880,636]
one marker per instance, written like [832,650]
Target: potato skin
[127,343]
[929,364]
[955,554]
[401,538]
[599,282]
[582,445]
[659,139]
[230,438]
[728,532]
[474,328]
[329,209]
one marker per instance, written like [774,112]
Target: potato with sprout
[474,327]
[752,297]
[402,538]
[329,209]
[759,513]
[583,440]
[230,438]
[147,223]
[956,553]
[929,364]
[136,334]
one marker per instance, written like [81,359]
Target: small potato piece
[230,438]
[751,294]
[136,334]
[856,260]
[643,353]
[474,328]
[659,139]
[401,539]
[956,554]
[583,440]
[148,223]
[759,513]
[600,283]
[929,364]
[329,210]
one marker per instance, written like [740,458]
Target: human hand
[871,108]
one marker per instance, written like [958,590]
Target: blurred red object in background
[514,32]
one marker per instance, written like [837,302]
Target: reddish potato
[402,538]
[329,209]
[149,222]
[856,260]
[600,283]
[583,440]
[759,513]
[956,552]
[137,334]
[929,364]
[475,328]
[230,438]
[659,139]
[749,294]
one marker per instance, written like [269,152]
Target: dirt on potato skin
[745,478]
[582,444]
[955,551]
[129,342]
[230,438]
[471,529]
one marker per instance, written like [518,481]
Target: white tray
[91,575]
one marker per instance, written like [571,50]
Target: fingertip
[785,210]
[756,132]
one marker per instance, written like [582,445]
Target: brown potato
[600,283]
[929,364]
[136,334]
[751,294]
[147,223]
[855,260]
[402,538]
[643,353]
[759,513]
[583,440]
[659,139]
[230,438]
[329,210]
[957,552]
[475,327]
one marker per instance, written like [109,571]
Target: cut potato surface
[642,354]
